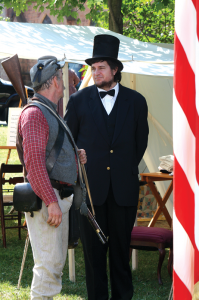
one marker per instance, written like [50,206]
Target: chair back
[6,196]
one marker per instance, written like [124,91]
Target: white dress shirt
[109,101]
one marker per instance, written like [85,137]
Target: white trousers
[49,247]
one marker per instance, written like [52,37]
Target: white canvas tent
[147,68]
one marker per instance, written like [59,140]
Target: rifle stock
[13,70]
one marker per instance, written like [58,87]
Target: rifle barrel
[96,227]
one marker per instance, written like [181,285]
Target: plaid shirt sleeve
[34,130]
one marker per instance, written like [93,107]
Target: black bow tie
[111,93]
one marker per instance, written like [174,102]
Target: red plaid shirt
[34,130]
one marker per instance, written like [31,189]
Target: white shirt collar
[109,101]
[116,88]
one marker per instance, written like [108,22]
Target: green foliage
[99,12]
[2,18]
[58,8]
[160,4]
[144,21]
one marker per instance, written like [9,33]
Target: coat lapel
[97,113]
[123,106]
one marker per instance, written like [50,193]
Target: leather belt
[56,184]
[64,190]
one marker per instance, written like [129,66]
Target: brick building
[32,16]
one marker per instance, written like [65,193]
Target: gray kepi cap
[44,69]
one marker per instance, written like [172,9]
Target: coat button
[111,151]
[108,168]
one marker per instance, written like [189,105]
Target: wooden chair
[151,239]
[7,200]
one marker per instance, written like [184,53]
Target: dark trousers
[116,222]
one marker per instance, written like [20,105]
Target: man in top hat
[110,122]
[50,165]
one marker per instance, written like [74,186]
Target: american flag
[186,150]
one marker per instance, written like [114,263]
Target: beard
[105,84]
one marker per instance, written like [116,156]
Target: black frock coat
[116,161]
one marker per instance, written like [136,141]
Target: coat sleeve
[71,118]
[142,131]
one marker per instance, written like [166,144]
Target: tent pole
[71,264]
[135,253]
[66,84]
[71,252]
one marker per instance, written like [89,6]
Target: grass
[10,265]
[3,153]
[145,281]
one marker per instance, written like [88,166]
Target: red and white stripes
[186,149]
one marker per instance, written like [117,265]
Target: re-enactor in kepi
[37,133]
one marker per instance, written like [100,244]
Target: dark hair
[47,84]
[112,64]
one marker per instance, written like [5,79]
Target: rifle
[91,216]
[13,70]
[96,227]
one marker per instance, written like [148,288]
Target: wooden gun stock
[13,70]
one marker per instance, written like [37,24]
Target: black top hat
[105,47]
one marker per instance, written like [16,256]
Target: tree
[147,21]
[58,8]
[71,8]
[141,19]
[110,11]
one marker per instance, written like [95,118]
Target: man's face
[102,74]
